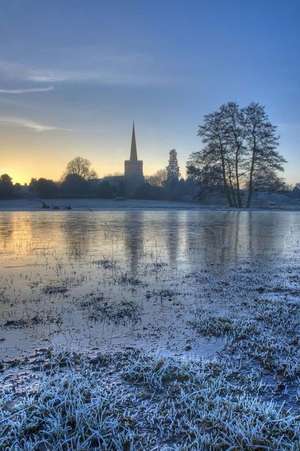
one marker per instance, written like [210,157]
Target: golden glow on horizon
[24,177]
[45,155]
[35,167]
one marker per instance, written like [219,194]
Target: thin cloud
[135,70]
[26,90]
[102,77]
[27,123]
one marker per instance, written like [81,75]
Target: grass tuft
[151,403]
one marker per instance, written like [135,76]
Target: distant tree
[208,176]
[147,191]
[105,190]
[267,180]
[80,167]
[297,187]
[19,190]
[44,188]
[173,172]
[296,190]
[74,185]
[159,178]
[6,187]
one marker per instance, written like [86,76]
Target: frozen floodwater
[118,279]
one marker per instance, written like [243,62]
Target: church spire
[133,152]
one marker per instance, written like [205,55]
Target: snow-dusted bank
[136,401]
[244,398]
[273,202]
[91,204]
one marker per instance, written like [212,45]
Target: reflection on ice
[135,278]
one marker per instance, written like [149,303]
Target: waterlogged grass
[212,325]
[101,309]
[268,333]
[149,403]
[33,319]
[247,397]
[135,401]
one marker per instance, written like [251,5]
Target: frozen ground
[93,204]
[261,201]
[191,318]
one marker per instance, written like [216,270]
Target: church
[133,179]
[133,168]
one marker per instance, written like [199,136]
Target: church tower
[134,176]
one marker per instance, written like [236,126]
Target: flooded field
[112,280]
[150,330]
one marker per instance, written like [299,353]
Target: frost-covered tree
[159,178]
[261,140]
[242,145]
[216,152]
[209,176]
[267,180]
[232,118]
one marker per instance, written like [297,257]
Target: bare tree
[200,172]
[159,178]
[239,142]
[234,137]
[215,151]
[261,142]
[266,179]
[80,167]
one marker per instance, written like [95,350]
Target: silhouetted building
[173,172]
[134,176]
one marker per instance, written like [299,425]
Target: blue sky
[74,74]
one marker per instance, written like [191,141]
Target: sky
[74,74]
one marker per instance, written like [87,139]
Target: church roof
[133,151]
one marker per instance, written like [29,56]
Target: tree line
[239,156]
[80,180]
